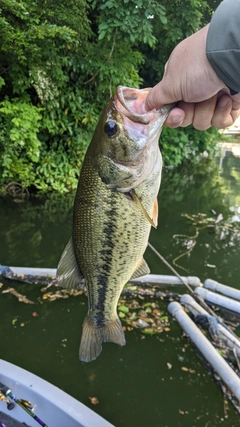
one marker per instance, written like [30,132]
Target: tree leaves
[60,63]
[133,22]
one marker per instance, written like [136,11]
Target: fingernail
[176,120]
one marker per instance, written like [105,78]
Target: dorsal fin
[68,274]
[141,270]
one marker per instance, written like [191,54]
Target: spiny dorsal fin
[140,205]
[141,270]
[68,273]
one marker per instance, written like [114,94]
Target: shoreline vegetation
[60,64]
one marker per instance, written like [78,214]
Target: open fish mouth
[131,101]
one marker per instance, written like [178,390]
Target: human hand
[189,80]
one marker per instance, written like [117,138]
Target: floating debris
[14,321]
[145,316]
[222,336]
[222,227]
[20,297]
[94,400]
[140,307]
[59,294]
[142,324]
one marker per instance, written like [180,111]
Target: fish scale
[115,206]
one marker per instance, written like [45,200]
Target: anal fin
[68,273]
[141,270]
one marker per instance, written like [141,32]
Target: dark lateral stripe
[106,255]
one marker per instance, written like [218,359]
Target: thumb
[157,97]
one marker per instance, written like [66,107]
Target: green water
[134,384]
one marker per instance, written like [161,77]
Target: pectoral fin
[68,274]
[141,270]
[155,213]
[140,205]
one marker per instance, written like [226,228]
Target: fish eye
[111,128]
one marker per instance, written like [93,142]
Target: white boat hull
[53,406]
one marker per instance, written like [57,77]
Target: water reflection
[230,172]
[187,194]
[34,233]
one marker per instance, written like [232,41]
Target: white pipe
[219,300]
[206,348]
[29,271]
[149,278]
[167,280]
[222,289]
[224,334]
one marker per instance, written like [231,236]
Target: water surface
[134,384]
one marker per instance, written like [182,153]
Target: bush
[181,144]
[60,63]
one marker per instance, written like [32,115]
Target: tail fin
[92,337]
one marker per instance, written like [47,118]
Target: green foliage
[19,144]
[60,63]
[129,20]
[184,17]
[40,105]
[187,144]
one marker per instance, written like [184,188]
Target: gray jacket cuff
[223,44]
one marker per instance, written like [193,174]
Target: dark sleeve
[223,44]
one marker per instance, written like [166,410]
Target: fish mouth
[130,102]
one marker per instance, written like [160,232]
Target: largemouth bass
[115,207]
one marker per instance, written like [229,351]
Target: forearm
[223,44]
